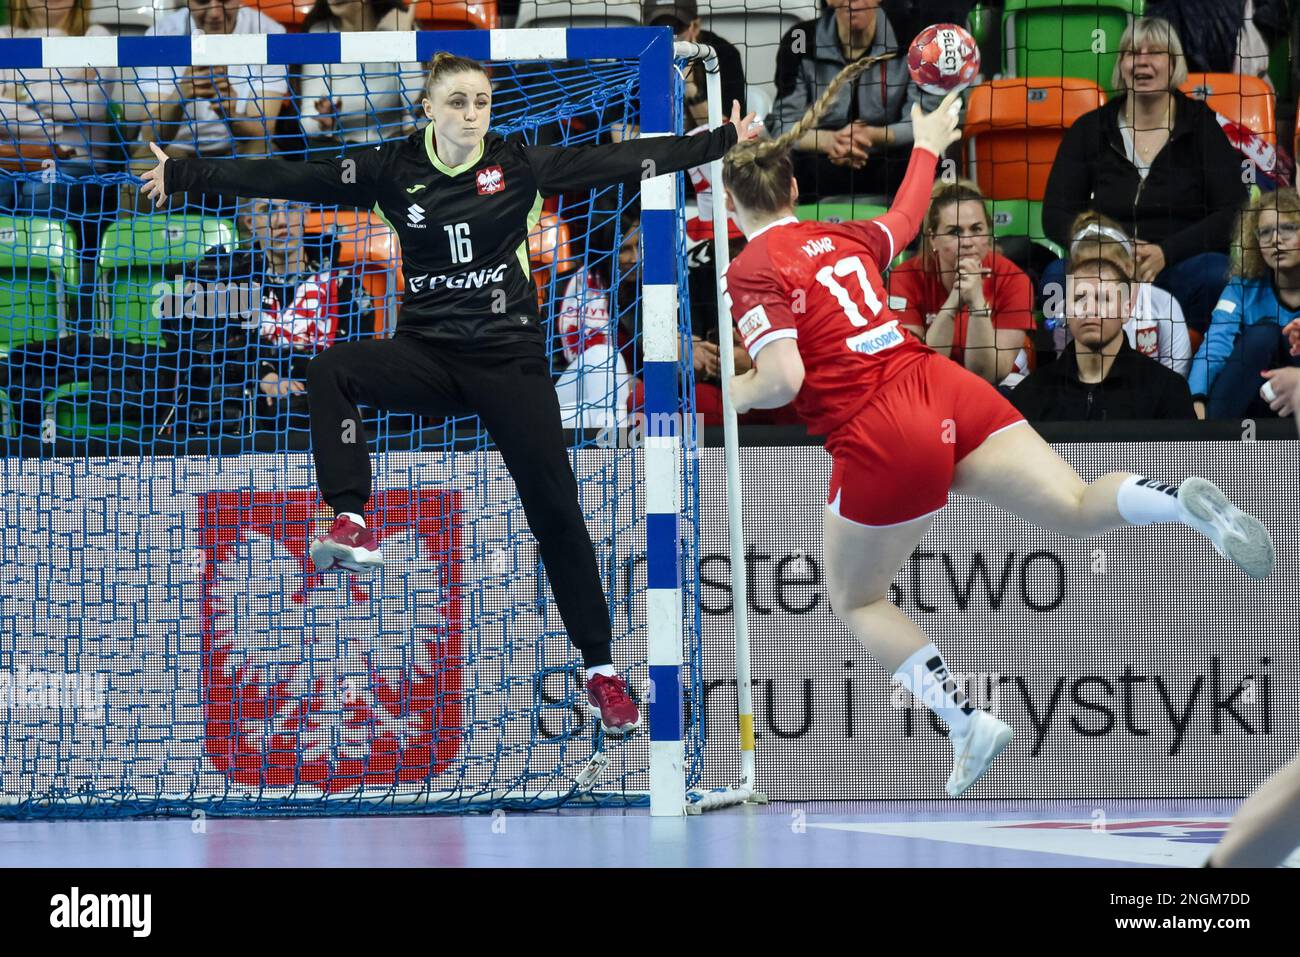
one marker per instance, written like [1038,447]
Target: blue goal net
[165,646]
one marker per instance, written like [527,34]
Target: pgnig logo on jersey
[317,681]
[415,216]
[491,180]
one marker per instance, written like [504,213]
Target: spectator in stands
[1261,301]
[1099,376]
[957,295]
[65,110]
[683,17]
[865,138]
[359,102]
[304,304]
[910,17]
[1156,328]
[1157,162]
[58,119]
[209,111]
[1226,37]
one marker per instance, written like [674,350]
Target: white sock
[1144,501]
[354,516]
[928,677]
[606,670]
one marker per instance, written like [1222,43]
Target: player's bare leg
[861,561]
[1017,470]
[1266,828]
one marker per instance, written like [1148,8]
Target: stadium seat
[139,252]
[365,240]
[1243,99]
[550,252]
[839,209]
[38,265]
[534,14]
[69,407]
[1059,37]
[1014,126]
[1021,217]
[456,15]
[130,17]
[756,33]
[289,13]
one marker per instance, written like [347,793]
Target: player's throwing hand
[938,130]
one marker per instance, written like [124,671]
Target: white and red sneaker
[347,546]
[608,700]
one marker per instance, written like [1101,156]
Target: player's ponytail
[444,65]
[758,173]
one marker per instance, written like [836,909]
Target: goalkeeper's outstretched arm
[561,169]
[339,181]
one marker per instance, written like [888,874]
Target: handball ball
[942,58]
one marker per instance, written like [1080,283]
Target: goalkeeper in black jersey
[469,335]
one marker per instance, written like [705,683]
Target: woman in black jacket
[1157,162]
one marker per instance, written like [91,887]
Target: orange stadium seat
[290,13]
[548,245]
[1247,100]
[1014,126]
[456,15]
[364,240]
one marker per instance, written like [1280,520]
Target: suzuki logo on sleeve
[491,180]
[415,216]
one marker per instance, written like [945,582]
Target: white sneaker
[971,756]
[1238,537]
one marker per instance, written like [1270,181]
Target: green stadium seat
[137,253]
[1021,217]
[38,265]
[1060,37]
[69,408]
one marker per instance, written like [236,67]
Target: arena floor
[883,834]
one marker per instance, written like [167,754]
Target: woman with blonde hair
[904,425]
[1261,299]
[958,296]
[469,337]
[1157,162]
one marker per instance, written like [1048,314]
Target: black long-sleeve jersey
[463,230]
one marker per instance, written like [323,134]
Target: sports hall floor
[882,834]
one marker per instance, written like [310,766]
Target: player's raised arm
[560,169]
[342,181]
[933,133]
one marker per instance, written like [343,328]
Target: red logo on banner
[491,180]
[324,680]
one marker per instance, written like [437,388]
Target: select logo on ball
[319,680]
[943,57]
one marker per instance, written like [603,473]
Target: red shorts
[893,462]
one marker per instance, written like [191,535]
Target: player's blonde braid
[758,172]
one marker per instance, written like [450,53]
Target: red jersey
[820,283]
[917,295]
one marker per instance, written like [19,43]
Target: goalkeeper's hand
[153,179]
[748,127]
